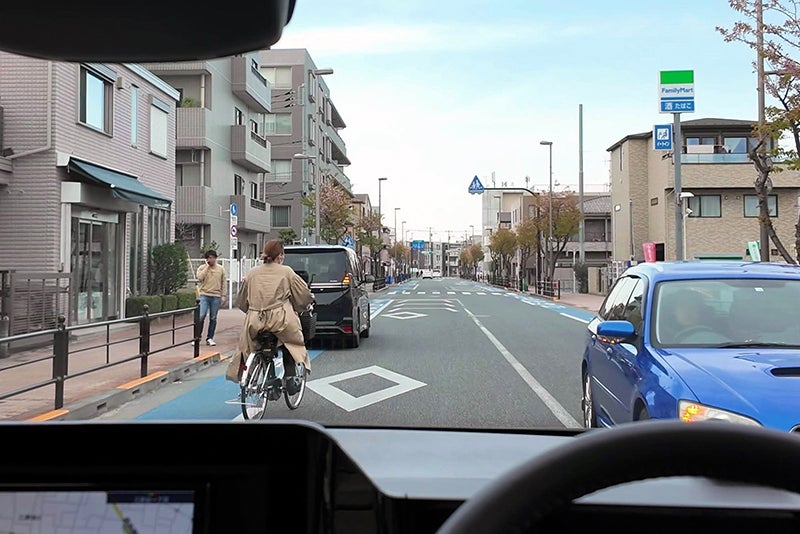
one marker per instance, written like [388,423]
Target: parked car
[436,273]
[427,273]
[696,341]
[339,285]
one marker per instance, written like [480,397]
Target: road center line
[552,404]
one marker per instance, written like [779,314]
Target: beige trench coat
[270,296]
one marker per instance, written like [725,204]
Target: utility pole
[763,204]
[582,227]
[430,252]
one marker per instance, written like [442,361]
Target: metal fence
[30,302]
[62,357]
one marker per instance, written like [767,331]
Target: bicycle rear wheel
[293,401]
[253,393]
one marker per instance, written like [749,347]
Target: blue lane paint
[377,306]
[204,402]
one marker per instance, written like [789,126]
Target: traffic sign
[234,209]
[234,245]
[662,137]
[234,231]
[347,241]
[475,187]
[676,91]
[418,244]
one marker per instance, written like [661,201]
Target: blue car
[695,341]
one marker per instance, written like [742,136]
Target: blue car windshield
[726,312]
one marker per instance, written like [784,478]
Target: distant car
[339,285]
[436,273]
[427,273]
[696,341]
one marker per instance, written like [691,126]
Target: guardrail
[61,354]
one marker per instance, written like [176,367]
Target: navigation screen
[89,512]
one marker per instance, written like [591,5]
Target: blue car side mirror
[616,330]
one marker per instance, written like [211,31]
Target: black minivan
[339,286]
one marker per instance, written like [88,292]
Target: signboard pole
[676,159]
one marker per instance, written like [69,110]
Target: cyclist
[272,295]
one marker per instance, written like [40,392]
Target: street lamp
[395,225]
[312,160]
[471,233]
[549,145]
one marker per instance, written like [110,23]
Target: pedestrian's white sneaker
[210,342]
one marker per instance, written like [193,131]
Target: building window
[701,140]
[238,116]
[158,227]
[280,216]
[96,96]
[254,190]
[621,156]
[751,205]
[281,171]
[238,185]
[254,126]
[279,77]
[278,124]
[159,112]
[705,206]
[134,115]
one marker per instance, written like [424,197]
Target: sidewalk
[88,395]
[584,301]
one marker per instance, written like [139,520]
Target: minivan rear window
[321,266]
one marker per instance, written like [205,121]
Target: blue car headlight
[692,412]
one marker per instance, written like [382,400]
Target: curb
[131,390]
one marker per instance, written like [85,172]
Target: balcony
[250,150]
[339,176]
[249,85]
[253,215]
[714,158]
[194,204]
[191,127]
[168,68]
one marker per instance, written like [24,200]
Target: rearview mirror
[176,31]
[616,330]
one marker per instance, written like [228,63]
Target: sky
[436,92]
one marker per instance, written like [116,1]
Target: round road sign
[234,231]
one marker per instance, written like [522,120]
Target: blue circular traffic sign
[234,209]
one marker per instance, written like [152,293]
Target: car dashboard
[276,476]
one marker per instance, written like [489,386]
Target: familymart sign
[676,91]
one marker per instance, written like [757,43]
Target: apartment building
[720,214]
[87,185]
[304,120]
[222,154]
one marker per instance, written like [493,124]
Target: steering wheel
[686,332]
[597,459]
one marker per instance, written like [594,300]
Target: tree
[528,240]
[169,268]
[566,222]
[470,257]
[503,245]
[368,234]
[287,235]
[334,210]
[775,37]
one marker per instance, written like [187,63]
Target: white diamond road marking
[325,388]
[403,315]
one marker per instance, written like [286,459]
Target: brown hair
[272,249]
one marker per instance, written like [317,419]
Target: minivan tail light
[346,279]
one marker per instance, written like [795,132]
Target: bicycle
[265,379]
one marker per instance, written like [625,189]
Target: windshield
[320,266]
[726,312]
[489,173]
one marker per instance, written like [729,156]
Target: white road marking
[552,404]
[325,388]
[584,321]
[374,313]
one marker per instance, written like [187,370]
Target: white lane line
[466,293]
[392,293]
[420,292]
[374,313]
[480,293]
[552,404]
[435,293]
[451,292]
[584,321]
